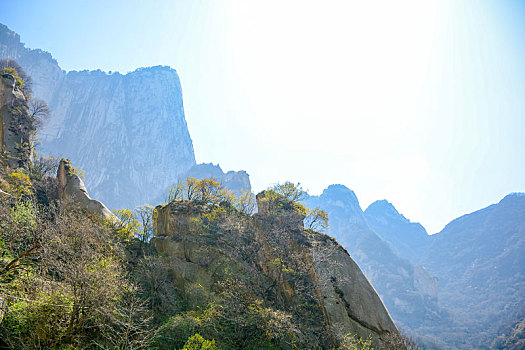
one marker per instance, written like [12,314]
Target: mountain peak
[338,191]
[514,196]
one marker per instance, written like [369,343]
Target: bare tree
[39,112]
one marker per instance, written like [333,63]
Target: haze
[420,103]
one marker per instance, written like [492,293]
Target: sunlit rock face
[128,132]
[322,286]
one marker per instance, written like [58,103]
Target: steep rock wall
[128,132]
[16,129]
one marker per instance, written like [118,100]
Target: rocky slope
[16,126]
[297,271]
[128,132]
[407,239]
[479,261]
[409,291]
[483,279]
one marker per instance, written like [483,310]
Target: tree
[128,226]
[316,219]
[39,112]
[290,191]
[245,202]
[145,217]
[176,192]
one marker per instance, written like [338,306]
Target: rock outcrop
[299,271]
[408,291]
[128,132]
[71,190]
[16,128]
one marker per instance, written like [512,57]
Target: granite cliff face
[128,132]
[16,127]
[408,291]
[71,190]
[295,270]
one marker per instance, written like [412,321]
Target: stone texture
[128,132]
[16,129]
[323,271]
[72,191]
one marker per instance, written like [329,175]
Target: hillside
[409,291]
[479,262]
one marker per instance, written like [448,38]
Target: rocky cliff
[16,126]
[300,272]
[71,190]
[409,291]
[128,132]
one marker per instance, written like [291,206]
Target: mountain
[406,238]
[303,274]
[128,132]
[408,291]
[479,259]
[235,181]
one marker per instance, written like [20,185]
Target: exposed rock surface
[128,132]
[16,128]
[71,190]
[408,291]
[303,272]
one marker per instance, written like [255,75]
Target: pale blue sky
[421,103]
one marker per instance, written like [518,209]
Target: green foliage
[207,191]
[144,215]
[65,280]
[14,74]
[354,342]
[245,202]
[290,191]
[78,171]
[197,342]
[276,202]
[316,219]
[236,321]
[128,227]
[20,183]
[24,214]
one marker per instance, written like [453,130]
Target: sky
[421,103]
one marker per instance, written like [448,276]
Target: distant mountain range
[461,288]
